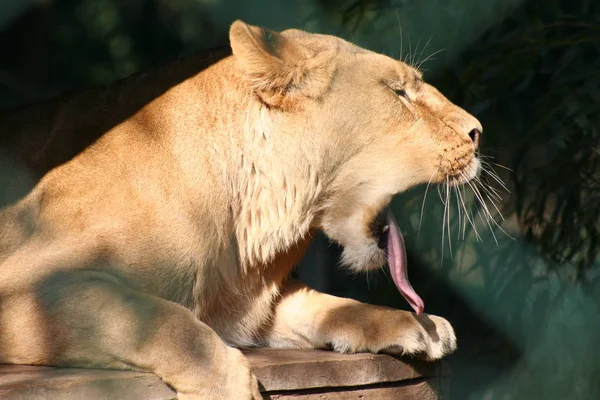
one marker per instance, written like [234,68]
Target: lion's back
[44,135]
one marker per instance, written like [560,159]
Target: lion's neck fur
[264,213]
[275,206]
[268,209]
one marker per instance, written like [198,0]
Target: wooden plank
[32,383]
[279,369]
[421,390]
[283,374]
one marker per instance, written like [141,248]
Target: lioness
[168,241]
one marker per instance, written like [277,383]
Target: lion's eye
[401,93]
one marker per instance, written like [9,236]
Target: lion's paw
[429,337]
[242,380]
[395,332]
[238,383]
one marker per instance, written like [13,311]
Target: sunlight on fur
[169,240]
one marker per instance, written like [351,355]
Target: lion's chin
[364,258]
[366,252]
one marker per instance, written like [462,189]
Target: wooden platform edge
[283,374]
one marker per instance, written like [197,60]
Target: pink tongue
[397,262]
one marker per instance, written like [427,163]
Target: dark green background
[526,310]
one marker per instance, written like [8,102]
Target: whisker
[486,209]
[421,53]
[485,167]
[493,220]
[489,169]
[439,190]
[401,37]
[443,226]
[488,190]
[460,206]
[473,218]
[482,192]
[483,160]
[415,54]
[425,198]
[481,200]
[498,225]
[429,57]
[495,177]
[486,220]
[501,166]
[448,219]
[458,211]
[486,213]
[492,201]
[409,52]
[471,221]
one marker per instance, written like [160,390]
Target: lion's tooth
[385,228]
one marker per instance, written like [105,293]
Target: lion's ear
[277,68]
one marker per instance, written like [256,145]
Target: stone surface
[283,374]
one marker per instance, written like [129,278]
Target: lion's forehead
[390,68]
[323,42]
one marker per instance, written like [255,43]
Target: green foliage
[71,44]
[355,13]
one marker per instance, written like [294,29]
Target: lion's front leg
[89,320]
[306,318]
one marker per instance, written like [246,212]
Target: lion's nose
[474,135]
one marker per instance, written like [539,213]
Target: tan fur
[175,230]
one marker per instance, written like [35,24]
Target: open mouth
[389,238]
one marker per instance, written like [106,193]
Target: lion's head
[375,126]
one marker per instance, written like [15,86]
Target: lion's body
[141,197]
[177,203]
